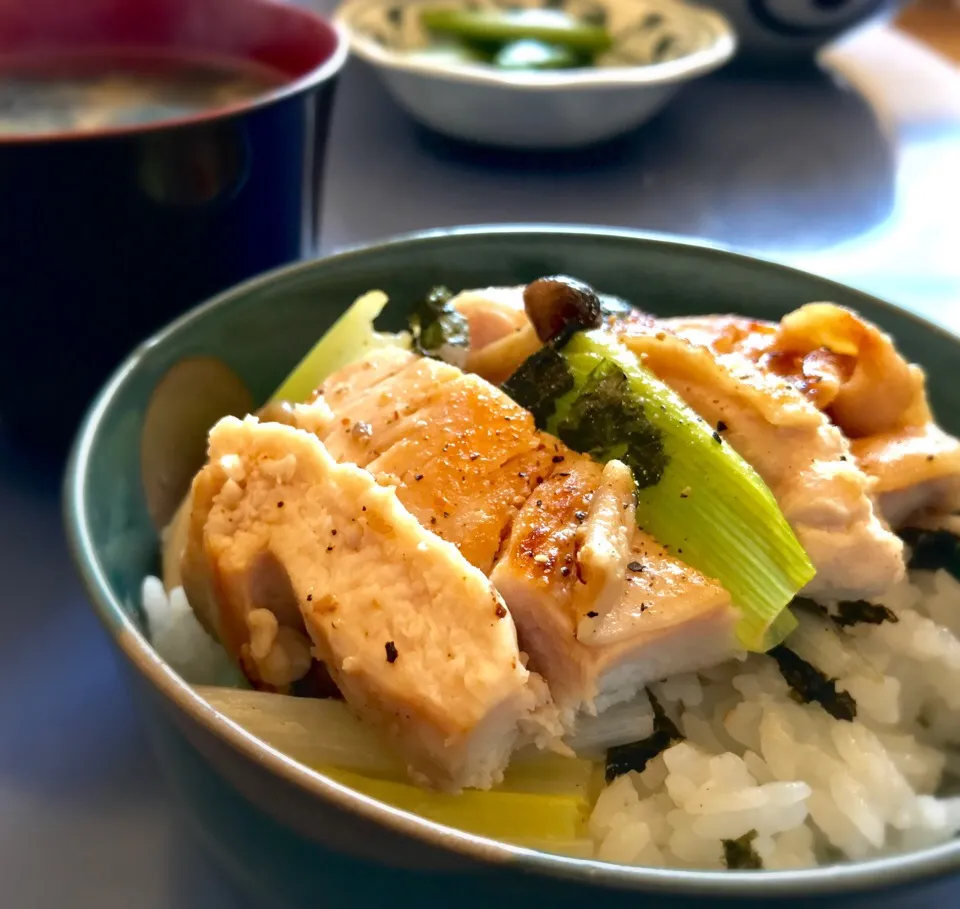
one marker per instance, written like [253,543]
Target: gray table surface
[857,180]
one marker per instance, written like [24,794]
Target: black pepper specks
[309,597]
[500,612]
[333,532]
[565,571]
[391,649]
[721,426]
[581,516]
[279,504]
[418,477]
[635,566]
[716,438]
[592,615]
[557,459]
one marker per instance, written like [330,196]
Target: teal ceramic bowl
[289,834]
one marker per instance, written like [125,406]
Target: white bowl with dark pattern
[658,45]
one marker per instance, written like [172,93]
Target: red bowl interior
[292,41]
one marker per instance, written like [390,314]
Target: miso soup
[108,91]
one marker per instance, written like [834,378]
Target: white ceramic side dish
[658,45]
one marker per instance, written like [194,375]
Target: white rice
[811,787]
[180,639]
[806,788]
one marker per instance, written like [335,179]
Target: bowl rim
[325,71]
[669,72]
[851,877]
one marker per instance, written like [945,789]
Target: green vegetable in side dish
[811,686]
[496,28]
[696,495]
[531,54]
[739,854]
[439,329]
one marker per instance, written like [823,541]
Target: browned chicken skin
[824,402]
[470,466]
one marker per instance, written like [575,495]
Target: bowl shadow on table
[797,161]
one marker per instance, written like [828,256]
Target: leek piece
[620,724]
[322,733]
[513,817]
[350,337]
[312,731]
[696,495]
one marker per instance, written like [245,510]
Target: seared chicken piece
[463,457]
[917,469]
[879,400]
[417,640]
[801,456]
[492,313]
[471,464]
[865,385]
[635,616]
[841,364]
[501,336]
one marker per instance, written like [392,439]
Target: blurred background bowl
[778,32]
[658,46]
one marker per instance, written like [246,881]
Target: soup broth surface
[107,91]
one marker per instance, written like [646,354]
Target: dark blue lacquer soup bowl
[152,153]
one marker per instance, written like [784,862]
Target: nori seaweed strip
[636,755]
[540,380]
[849,612]
[439,328]
[606,422]
[933,549]
[739,854]
[812,686]
[860,612]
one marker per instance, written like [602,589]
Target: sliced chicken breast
[917,469]
[804,459]
[879,400]
[463,459]
[417,640]
[473,468]
[600,625]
